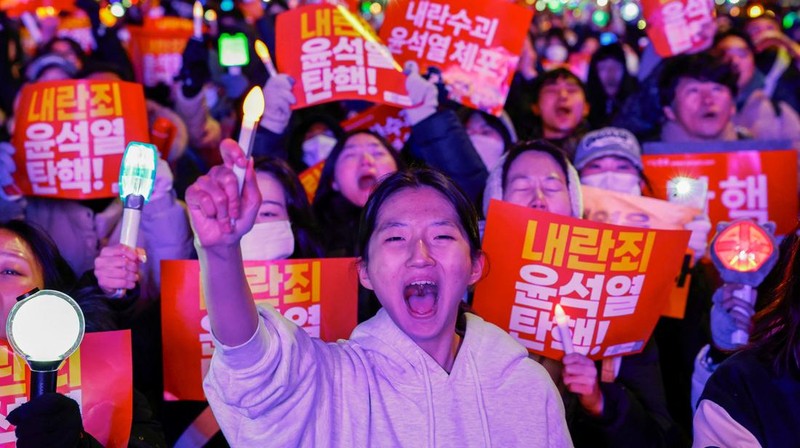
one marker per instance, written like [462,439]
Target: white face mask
[489,148]
[611,180]
[271,240]
[317,149]
[556,53]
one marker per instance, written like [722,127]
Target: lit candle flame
[561,316]
[211,15]
[197,9]
[253,106]
[263,53]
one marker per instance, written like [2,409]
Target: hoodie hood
[494,187]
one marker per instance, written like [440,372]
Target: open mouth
[421,298]
[367,181]
[709,115]
[563,111]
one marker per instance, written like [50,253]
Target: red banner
[334,54]
[318,295]
[156,49]
[475,43]
[679,26]
[744,184]
[98,376]
[613,282]
[386,121]
[70,136]
[15,8]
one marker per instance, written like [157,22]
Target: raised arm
[219,217]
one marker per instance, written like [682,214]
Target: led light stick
[562,320]
[137,177]
[263,53]
[32,26]
[197,15]
[744,252]
[253,108]
[45,328]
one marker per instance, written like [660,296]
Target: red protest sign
[318,295]
[333,54]
[743,184]
[612,281]
[679,26]
[386,121]
[98,376]
[15,8]
[309,179]
[475,43]
[70,136]
[156,49]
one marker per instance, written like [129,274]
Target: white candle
[562,320]
[253,108]
[197,13]
[263,53]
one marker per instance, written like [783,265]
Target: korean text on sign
[318,296]
[385,121]
[677,26]
[339,58]
[741,184]
[97,376]
[603,276]
[156,49]
[71,135]
[475,44]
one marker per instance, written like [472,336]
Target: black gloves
[194,72]
[51,420]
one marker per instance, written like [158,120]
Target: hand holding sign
[214,201]
[278,101]
[423,94]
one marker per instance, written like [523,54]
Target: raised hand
[117,267]
[580,377]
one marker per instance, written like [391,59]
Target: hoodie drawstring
[479,397]
[429,396]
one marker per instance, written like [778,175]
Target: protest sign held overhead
[335,55]
[475,44]
[70,136]
[745,179]
[156,49]
[613,282]
[679,26]
[385,121]
[320,296]
[98,376]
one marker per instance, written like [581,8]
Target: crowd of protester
[560,129]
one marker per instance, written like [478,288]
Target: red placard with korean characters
[386,121]
[758,183]
[98,376]
[319,295]
[612,281]
[475,43]
[679,26]
[309,179]
[78,28]
[333,54]
[70,136]
[156,49]
[15,8]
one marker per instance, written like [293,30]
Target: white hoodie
[283,388]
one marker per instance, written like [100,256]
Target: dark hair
[551,77]
[705,67]
[91,67]
[58,275]
[539,145]
[596,95]
[304,226]
[47,48]
[465,113]
[776,333]
[733,32]
[418,178]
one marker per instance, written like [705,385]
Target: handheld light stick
[744,252]
[45,328]
[263,53]
[562,320]
[253,108]
[688,191]
[197,15]
[32,26]
[137,177]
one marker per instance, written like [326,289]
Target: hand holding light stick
[197,15]
[740,337]
[562,320]
[253,108]
[137,177]
[263,53]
